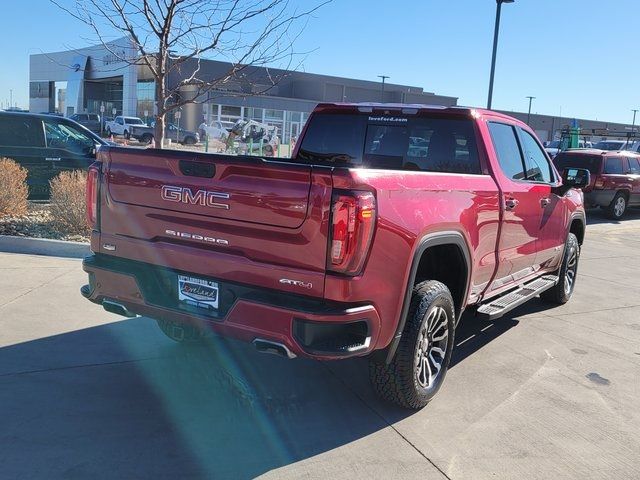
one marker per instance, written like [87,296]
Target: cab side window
[20,131]
[634,166]
[614,166]
[65,136]
[507,149]
[535,160]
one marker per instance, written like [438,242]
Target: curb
[43,246]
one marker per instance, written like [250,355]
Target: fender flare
[582,217]
[451,237]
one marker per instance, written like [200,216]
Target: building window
[275,115]
[230,114]
[146,93]
[255,114]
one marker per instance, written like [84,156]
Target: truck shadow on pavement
[597,216]
[122,401]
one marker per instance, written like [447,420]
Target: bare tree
[171,37]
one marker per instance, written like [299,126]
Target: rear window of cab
[423,143]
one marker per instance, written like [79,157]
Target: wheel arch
[446,242]
[577,226]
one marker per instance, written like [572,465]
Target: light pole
[383,77]
[495,48]
[633,125]
[10,98]
[529,113]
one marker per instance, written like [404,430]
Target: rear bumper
[600,198]
[308,327]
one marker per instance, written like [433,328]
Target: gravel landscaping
[37,223]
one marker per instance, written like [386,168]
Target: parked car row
[146,134]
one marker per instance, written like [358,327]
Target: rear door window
[536,163]
[634,166]
[21,131]
[614,166]
[568,160]
[507,149]
[433,144]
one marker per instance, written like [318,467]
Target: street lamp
[529,114]
[633,125]
[495,48]
[383,77]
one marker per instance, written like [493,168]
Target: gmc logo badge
[204,198]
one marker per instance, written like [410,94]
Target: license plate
[198,292]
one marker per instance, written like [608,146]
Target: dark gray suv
[88,120]
[45,145]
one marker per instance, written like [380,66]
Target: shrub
[13,188]
[68,208]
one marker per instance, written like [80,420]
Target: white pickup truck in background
[122,126]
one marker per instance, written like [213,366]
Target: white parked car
[122,126]
[617,145]
[554,147]
[215,131]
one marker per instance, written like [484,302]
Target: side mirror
[573,177]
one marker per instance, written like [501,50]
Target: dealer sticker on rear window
[198,292]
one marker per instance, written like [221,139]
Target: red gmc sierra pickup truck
[384,226]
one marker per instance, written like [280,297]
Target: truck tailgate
[220,186]
[230,216]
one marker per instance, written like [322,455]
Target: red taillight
[92,195]
[353,216]
[599,183]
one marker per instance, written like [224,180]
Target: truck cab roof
[410,109]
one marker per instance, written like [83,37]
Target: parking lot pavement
[544,393]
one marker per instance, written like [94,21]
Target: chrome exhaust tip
[274,348]
[117,308]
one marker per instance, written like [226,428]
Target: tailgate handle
[197,169]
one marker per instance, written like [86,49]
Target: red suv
[615,178]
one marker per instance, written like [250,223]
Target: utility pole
[529,113]
[383,77]
[495,48]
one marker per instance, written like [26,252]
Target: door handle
[544,202]
[511,203]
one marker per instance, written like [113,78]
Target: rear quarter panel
[410,206]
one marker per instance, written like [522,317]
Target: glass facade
[146,94]
[288,123]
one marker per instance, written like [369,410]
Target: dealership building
[92,77]
[96,79]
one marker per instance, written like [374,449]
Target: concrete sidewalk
[545,393]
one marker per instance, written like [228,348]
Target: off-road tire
[617,207]
[563,290]
[397,382]
[180,332]
[147,138]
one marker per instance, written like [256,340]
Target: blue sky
[570,54]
